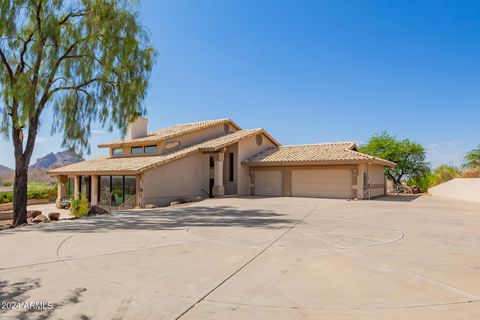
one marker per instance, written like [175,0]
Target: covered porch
[107,190]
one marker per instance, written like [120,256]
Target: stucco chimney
[137,128]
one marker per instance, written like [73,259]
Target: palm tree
[472,158]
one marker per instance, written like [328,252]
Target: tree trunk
[20,195]
[22,160]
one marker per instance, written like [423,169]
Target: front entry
[212,183]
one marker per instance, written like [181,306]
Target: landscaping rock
[150,206]
[36,213]
[97,210]
[54,216]
[40,218]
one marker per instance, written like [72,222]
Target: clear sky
[314,71]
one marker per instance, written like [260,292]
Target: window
[171,144]
[259,139]
[117,151]
[212,162]
[150,149]
[137,150]
[70,187]
[230,168]
[115,190]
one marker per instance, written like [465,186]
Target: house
[215,158]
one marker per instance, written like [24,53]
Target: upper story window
[137,150]
[171,144]
[117,151]
[150,149]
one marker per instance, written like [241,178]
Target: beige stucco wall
[230,186]
[184,177]
[247,148]
[198,136]
[376,180]
[185,140]
[460,188]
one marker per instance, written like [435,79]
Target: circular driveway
[277,258]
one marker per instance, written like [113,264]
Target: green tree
[472,158]
[89,61]
[410,157]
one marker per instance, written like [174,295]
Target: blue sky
[314,71]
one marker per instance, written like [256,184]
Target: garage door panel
[326,183]
[268,183]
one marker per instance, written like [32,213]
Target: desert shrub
[79,207]
[423,182]
[5,197]
[471,173]
[443,174]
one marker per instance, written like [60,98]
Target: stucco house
[215,158]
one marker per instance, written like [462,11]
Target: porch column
[218,188]
[94,191]
[76,188]
[139,188]
[61,190]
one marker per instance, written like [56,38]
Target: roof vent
[137,129]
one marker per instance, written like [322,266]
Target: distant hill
[55,160]
[5,172]
[38,171]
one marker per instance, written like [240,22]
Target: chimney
[137,129]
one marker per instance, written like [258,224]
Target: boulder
[150,206]
[36,213]
[54,216]
[40,218]
[97,210]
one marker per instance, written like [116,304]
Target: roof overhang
[381,162]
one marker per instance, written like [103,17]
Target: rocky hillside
[55,160]
[38,171]
[5,172]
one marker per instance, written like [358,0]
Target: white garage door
[268,183]
[322,183]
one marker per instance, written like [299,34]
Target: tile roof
[313,154]
[170,132]
[137,164]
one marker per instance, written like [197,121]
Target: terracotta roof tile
[170,132]
[313,153]
[137,164]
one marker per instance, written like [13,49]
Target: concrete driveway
[251,258]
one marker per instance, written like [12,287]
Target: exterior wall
[247,148]
[376,181]
[182,178]
[467,189]
[230,186]
[287,175]
[185,140]
[198,136]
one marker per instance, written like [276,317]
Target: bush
[79,207]
[7,183]
[471,173]
[5,197]
[34,191]
[443,174]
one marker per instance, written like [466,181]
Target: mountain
[55,160]
[5,170]
[38,171]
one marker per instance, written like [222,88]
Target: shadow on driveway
[399,198]
[17,294]
[169,219]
